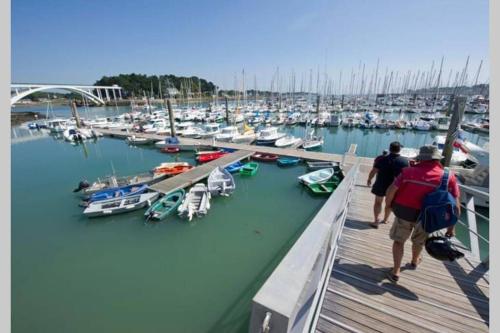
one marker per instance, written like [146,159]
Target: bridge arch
[17,97]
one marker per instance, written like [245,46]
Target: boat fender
[149,203]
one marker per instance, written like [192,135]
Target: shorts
[402,229]
[379,189]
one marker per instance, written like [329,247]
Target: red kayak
[210,156]
[265,157]
[170,150]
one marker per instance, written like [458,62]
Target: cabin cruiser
[268,136]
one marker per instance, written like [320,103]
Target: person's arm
[372,174]
[389,196]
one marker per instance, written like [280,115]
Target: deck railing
[288,300]
[471,194]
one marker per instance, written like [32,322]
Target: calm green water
[116,274]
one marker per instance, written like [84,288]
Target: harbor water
[119,274]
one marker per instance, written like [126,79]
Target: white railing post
[471,220]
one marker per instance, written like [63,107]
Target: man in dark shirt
[386,168]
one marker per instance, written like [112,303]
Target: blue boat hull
[288,161]
[118,192]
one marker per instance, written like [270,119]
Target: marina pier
[333,278]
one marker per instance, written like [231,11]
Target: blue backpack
[439,208]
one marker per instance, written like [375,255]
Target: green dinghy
[166,205]
[249,169]
[326,188]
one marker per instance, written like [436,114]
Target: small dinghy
[235,167]
[117,192]
[317,165]
[249,169]
[221,182]
[166,205]
[288,161]
[109,182]
[265,157]
[170,150]
[172,170]
[204,158]
[315,177]
[196,202]
[135,140]
[324,188]
[121,205]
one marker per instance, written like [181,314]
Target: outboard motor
[82,185]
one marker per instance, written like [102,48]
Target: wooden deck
[201,143]
[198,173]
[437,297]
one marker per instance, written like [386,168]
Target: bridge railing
[288,300]
[472,196]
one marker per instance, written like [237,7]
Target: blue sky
[78,41]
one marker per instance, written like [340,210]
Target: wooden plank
[415,289]
[410,310]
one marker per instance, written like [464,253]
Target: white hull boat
[196,202]
[288,141]
[122,205]
[317,177]
[135,140]
[221,182]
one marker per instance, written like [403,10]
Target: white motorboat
[221,182]
[192,132]
[73,134]
[57,125]
[318,176]
[269,136]
[288,141]
[312,142]
[210,130]
[121,205]
[458,156]
[136,140]
[247,137]
[421,125]
[335,120]
[196,202]
[181,127]
[227,134]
